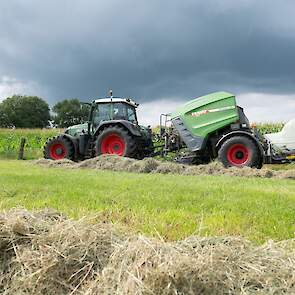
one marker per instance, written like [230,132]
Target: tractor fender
[240,133]
[133,129]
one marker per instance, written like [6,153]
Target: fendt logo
[197,114]
[204,112]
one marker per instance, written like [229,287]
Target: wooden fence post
[21,149]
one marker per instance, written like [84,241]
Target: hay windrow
[197,266]
[64,163]
[151,165]
[46,253]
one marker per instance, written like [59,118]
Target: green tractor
[203,129]
[112,129]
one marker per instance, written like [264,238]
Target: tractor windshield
[124,111]
[113,111]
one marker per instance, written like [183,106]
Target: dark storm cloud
[149,49]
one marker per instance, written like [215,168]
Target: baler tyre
[58,148]
[239,151]
[116,140]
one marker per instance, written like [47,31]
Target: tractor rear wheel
[239,151]
[116,140]
[58,148]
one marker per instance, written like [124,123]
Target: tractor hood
[77,129]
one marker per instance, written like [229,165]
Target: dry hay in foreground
[45,253]
[151,165]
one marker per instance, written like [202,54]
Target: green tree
[3,117]
[24,112]
[70,112]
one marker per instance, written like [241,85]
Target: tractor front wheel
[58,148]
[239,151]
[117,141]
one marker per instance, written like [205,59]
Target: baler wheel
[58,148]
[239,151]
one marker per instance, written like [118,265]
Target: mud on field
[46,253]
[151,165]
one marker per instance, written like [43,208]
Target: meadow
[173,206]
[170,206]
[185,234]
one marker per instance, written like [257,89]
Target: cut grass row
[171,206]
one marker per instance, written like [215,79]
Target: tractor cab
[104,110]
[112,109]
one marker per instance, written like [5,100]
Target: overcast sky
[161,52]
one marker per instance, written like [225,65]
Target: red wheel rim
[57,151]
[238,155]
[113,144]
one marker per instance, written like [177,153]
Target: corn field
[269,127]
[36,138]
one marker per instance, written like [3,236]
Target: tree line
[33,112]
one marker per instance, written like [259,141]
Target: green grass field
[171,206]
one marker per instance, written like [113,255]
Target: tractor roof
[117,99]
